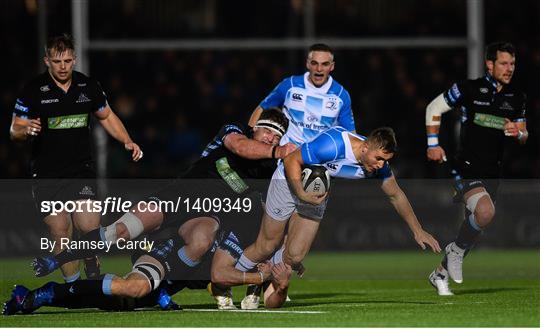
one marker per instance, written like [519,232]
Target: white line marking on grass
[251,311]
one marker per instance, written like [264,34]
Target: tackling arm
[400,202]
[224,273]
[252,149]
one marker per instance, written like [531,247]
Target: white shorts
[281,202]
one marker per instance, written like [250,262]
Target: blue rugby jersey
[310,110]
[333,150]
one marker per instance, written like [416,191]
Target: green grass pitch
[364,289]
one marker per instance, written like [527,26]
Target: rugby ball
[315,179]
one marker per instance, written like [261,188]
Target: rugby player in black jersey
[158,274]
[492,111]
[52,113]
[236,154]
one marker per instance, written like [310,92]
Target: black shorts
[467,176]
[204,192]
[82,186]
[166,253]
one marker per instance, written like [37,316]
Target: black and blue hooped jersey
[483,114]
[64,144]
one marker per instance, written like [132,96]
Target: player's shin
[469,232]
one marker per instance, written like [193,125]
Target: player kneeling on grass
[344,154]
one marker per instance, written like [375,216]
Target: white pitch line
[252,311]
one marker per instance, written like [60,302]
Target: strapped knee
[150,272]
[472,201]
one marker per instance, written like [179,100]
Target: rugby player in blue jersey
[344,154]
[313,102]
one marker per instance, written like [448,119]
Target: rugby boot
[165,301]
[92,268]
[44,265]
[252,298]
[454,261]
[222,296]
[439,281]
[15,303]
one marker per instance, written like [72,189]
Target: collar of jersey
[322,89]
[491,80]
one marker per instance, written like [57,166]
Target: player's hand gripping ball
[315,179]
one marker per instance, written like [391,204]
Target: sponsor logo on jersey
[489,121]
[312,118]
[332,166]
[482,103]
[68,121]
[82,98]
[455,91]
[20,107]
[506,106]
[49,101]
[81,85]
[297,97]
[234,246]
[44,88]
[508,95]
[483,90]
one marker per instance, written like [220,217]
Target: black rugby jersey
[64,145]
[483,111]
[217,162]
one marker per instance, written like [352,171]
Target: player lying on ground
[236,154]
[155,276]
[493,111]
[344,154]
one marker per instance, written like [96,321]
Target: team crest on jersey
[483,90]
[82,98]
[331,104]
[44,88]
[506,106]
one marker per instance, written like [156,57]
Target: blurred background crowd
[174,102]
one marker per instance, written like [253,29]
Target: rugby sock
[72,278]
[278,256]
[468,233]
[70,294]
[185,266]
[245,264]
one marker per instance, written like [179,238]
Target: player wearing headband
[236,154]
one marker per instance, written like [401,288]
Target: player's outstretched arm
[252,149]
[403,207]
[112,124]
